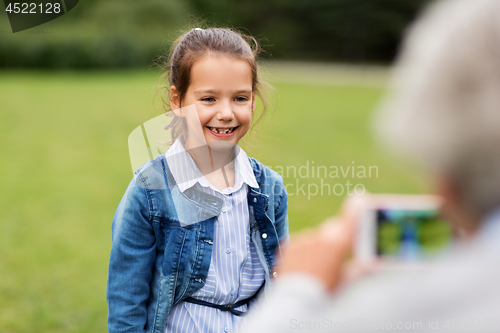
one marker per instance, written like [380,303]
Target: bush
[126,33]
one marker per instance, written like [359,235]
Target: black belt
[227,307]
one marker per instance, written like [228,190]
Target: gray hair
[443,109]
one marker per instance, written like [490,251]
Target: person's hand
[322,252]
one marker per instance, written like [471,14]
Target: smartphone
[402,229]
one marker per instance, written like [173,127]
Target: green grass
[64,167]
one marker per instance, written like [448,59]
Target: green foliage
[348,30]
[127,33]
[114,33]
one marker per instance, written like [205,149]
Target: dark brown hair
[198,43]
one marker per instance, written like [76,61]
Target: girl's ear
[253,102]
[175,103]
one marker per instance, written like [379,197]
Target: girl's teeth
[221,131]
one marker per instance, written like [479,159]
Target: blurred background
[126,33]
[72,90]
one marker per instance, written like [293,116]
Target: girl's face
[221,91]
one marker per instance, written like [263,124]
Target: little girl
[195,235]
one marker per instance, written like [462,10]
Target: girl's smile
[221,132]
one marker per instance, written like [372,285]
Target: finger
[329,224]
[354,205]
[338,235]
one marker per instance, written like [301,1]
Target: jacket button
[254,199]
[264,235]
[275,274]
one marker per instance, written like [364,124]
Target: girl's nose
[225,113]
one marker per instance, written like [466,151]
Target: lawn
[65,166]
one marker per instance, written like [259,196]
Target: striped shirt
[235,271]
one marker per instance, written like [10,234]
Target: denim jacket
[158,258]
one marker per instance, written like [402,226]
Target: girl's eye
[208,99]
[241,99]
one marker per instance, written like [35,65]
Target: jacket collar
[211,205]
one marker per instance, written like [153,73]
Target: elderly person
[444,112]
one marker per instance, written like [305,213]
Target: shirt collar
[186,173]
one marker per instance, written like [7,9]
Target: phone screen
[411,234]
